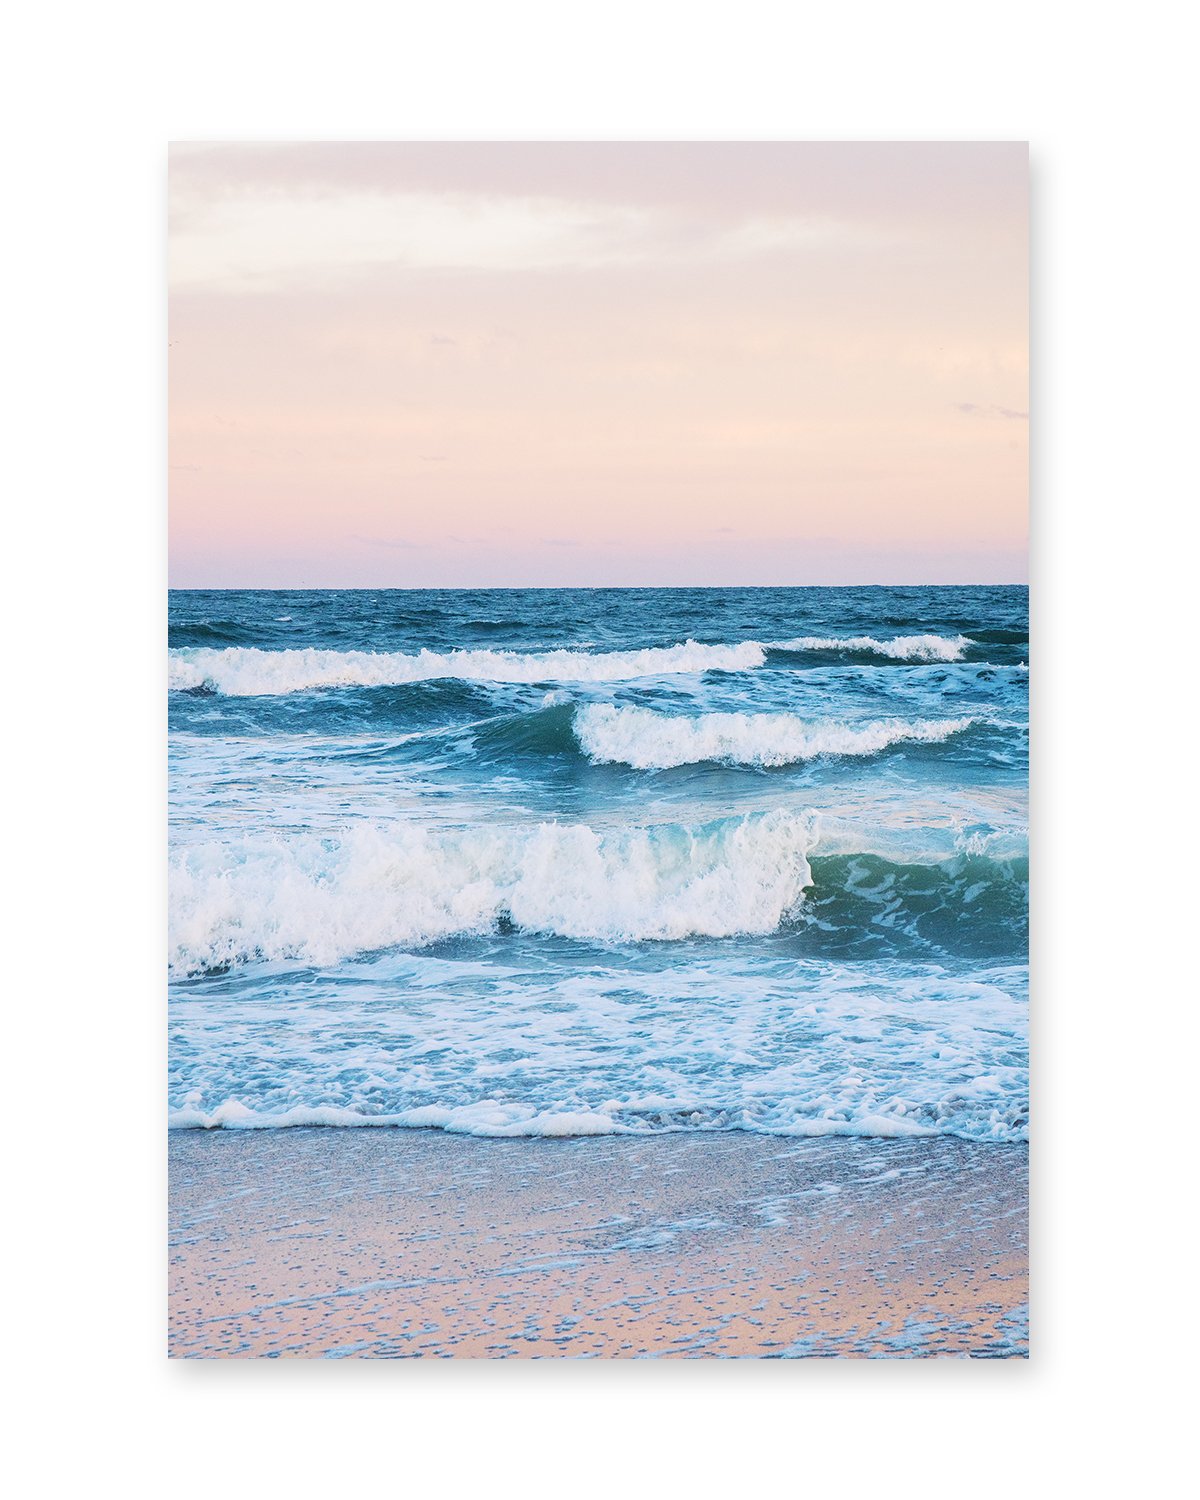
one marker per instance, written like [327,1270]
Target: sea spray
[321,899]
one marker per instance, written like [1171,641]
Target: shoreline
[324,1243]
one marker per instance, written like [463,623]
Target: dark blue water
[581,861]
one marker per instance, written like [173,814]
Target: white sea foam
[244,671]
[323,899]
[647,740]
[684,1040]
[496,1118]
[489,1117]
[898,648]
[785,1048]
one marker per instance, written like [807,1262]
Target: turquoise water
[572,862]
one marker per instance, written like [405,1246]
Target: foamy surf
[320,900]
[782,1048]
[476,904]
[898,648]
[501,1119]
[246,671]
[646,740]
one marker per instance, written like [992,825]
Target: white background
[92,94]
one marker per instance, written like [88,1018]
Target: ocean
[579,862]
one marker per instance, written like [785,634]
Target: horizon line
[551,588]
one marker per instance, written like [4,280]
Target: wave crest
[320,900]
[246,671]
[898,648]
[646,740]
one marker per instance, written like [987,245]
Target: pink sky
[502,364]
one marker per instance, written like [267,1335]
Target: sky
[504,364]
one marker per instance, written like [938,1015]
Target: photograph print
[598,750]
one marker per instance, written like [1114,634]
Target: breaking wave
[248,671]
[986,1116]
[647,740]
[322,899]
[898,648]
[318,900]
[245,671]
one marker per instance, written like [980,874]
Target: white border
[94,94]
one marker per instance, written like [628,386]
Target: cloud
[654,350]
[936,182]
[237,243]
[1010,414]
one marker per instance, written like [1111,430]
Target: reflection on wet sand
[390,1243]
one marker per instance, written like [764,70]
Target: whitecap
[323,899]
[647,740]
[898,648]
[245,671]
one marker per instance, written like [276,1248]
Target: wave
[898,648]
[781,1045]
[1001,636]
[647,740]
[318,900]
[496,1118]
[246,671]
[973,904]
[490,1118]
[250,671]
[206,632]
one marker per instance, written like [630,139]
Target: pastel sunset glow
[534,364]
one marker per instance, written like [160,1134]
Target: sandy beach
[387,1243]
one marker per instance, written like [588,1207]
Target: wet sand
[391,1243]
